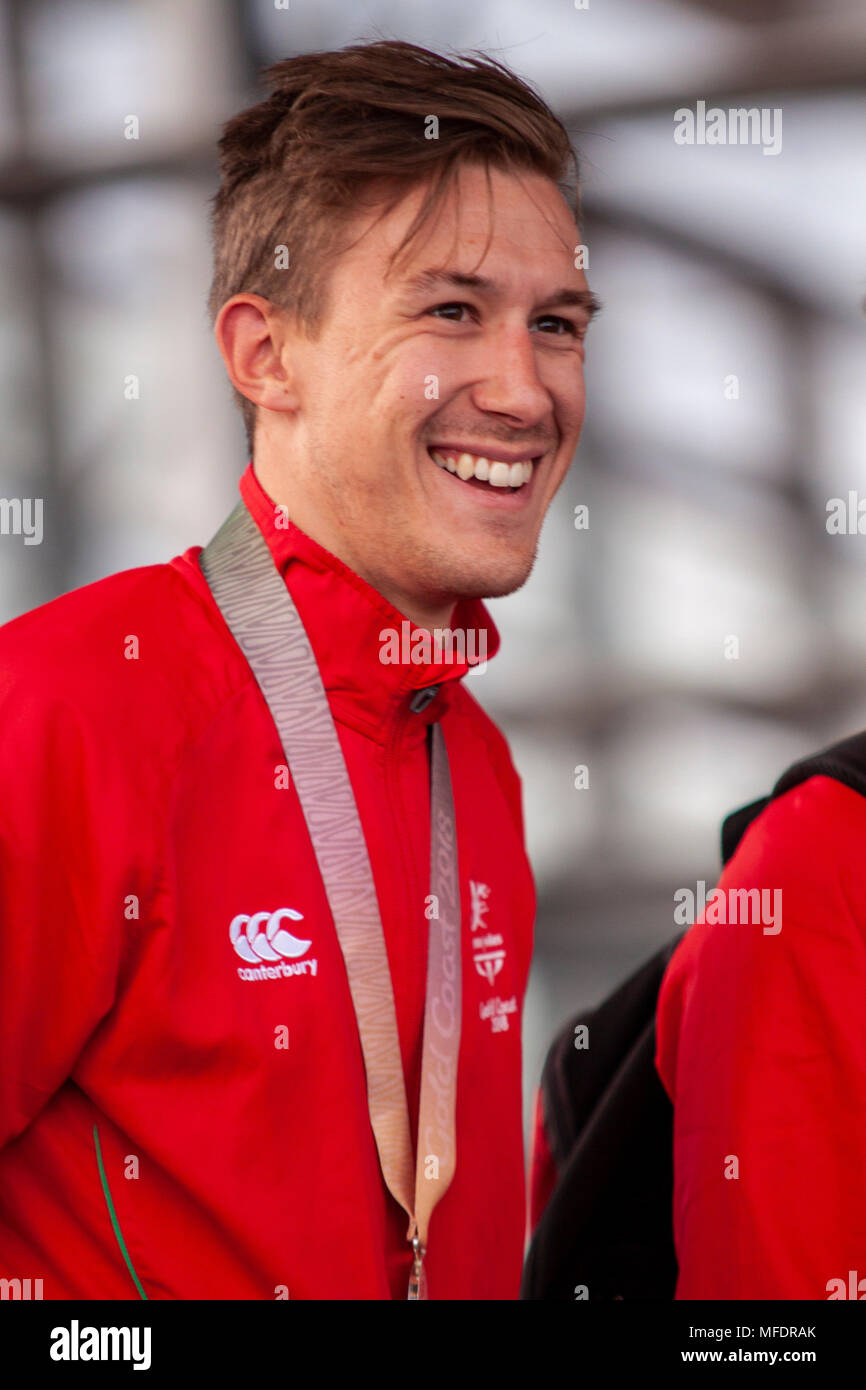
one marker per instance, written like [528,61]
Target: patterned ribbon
[261,614]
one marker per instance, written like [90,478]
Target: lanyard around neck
[261,614]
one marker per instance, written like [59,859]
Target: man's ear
[250,334]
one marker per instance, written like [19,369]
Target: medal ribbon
[261,614]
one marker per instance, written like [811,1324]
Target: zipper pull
[423,697]
[418,1277]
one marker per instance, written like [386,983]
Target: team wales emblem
[487,947]
[488,952]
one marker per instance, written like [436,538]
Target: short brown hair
[340,126]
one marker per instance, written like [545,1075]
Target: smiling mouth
[486,473]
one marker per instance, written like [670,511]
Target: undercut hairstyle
[360,127]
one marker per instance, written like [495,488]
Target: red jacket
[138,816]
[762,1049]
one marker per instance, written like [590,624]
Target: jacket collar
[351,627]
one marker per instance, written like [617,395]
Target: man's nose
[509,383]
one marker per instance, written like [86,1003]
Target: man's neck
[432,619]
[431,616]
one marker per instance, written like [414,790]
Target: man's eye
[451,311]
[554,324]
[562,326]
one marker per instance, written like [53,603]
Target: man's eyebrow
[428,280]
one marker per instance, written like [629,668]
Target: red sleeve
[61,898]
[543,1173]
[762,1048]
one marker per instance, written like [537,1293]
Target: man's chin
[493,580]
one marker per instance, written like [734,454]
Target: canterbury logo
[263,937]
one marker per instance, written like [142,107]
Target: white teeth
[492,471]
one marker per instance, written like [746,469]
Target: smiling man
[261,1035]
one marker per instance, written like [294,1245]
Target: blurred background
[705,628]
